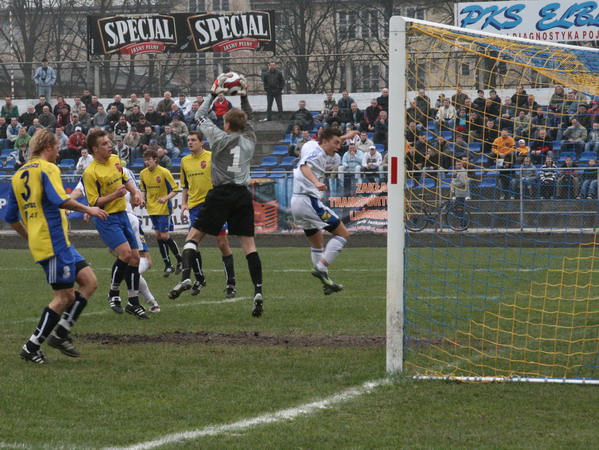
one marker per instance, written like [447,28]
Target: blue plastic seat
[269,161]
[277,172]
[186,151]
[10,165]
[557,146]
[6,152]
[475,146]
[176,163]
[447,135]
[257,173]
[488,182]
[67,164]
[585,156]
[286,139]
[564,155]
[280,150]
[287,162]
[137,164]
[429,183]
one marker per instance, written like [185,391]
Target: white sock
[332,250]
[316,255]
[144,291]
[144,265]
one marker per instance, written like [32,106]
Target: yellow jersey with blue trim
[196,178]
[101,179]
[36,194]
[157,183]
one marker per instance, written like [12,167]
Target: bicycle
[455,215]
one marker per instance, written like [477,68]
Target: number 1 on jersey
[234,167]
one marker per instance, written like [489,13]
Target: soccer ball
[231,83]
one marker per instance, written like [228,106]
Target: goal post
[514,296]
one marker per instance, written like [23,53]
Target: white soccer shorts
[310,213]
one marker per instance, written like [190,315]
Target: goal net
[492,251]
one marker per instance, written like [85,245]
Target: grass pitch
[136,382]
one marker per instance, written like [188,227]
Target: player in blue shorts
[37,194]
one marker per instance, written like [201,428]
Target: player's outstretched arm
[313,179]
[91,210]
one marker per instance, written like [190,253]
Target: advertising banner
[560,21]
[181,33]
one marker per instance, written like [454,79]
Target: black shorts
[231,204]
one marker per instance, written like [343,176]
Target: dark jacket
[302,117]
[273,81]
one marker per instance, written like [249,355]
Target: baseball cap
[521,141]
[372,146]
[77,128]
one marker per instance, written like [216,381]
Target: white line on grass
[7,445]
[272,418]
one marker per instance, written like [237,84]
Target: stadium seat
[277,172]
[370,135]
[447,135]
[475,146]
[137,164]
[288,162]
[445,183]
[557,146]
[280,150]
[286,139]
[585,156]
[482,160]
[257,173]
[488,182]
[186,151]
[380,148]
[314,113]
[429,183]
[10,165]
[67,164]
[269,161]
[6,152]
[564,155]
[410,183]
[431,125]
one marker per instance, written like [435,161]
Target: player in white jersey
[310,214]
[145,260]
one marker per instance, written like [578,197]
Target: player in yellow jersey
[196,182]
[37,194]
[158,187]
[106,186]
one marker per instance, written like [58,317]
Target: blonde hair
[41,140]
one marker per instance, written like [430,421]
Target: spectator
[133,101]
[64,116]
[519,99]
[364,143]
[352,139]
[459,98]
[26,119]
[63,141]
[461,122]
[504,145]
[592,144]
[383,100]
[557,99]
[60,102]
[371,162]
[496,102]
[381,129]
[540,146]
[589,183]
[475,127]
[45,77]
[522,151]
[351,164]
[433,161]
[85,118]
[146,138]
[575,137]
[460,184]
[338,117]
[100,119]
[414,161]
[141,125]
[39,108]
[118,102]
[413,114]
[9,109]
[180,129]
[154,118]
[47,119]
[183,104]
[297,149]
[423,105]
[84,160]
[522,125]
[528,176]
[22,139]
[122,127]
[564,112]
[479,102]
[445,119]
[171,142]
[508,113]
[412,133]
[332,163]
[568,178]
[302,118]
[506,174]
[94,106]
[76,143]
[548,177]
[3,139]
[164,160]
[345,102]
[113,116]
[175,111]
[373,111]
[531,106]
[273,85]
[34,127]
[12,132]
[442,147]
[70,128]
[86,97]
[355,117]
[294,136]
[583,117]
[121,149]
[146,103]
[460,148]
[132,140]
[77,103]
[220,107]
[327,106]
[490,133]
[540,120]
[135,116]
[190,117]
[20,155]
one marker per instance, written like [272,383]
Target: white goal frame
[396,199]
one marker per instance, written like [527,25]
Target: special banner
[181,33]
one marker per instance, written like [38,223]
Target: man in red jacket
[76,143]
[220,107]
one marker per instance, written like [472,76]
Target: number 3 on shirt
[234,167]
